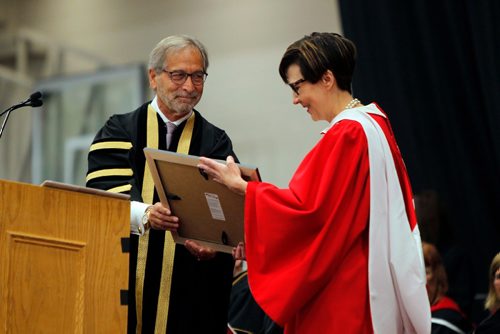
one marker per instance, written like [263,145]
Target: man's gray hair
[172,44]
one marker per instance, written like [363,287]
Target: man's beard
[181,108]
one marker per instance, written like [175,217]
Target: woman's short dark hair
[319,52]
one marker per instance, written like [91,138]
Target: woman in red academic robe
[338,251]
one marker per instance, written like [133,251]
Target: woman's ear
[328,79]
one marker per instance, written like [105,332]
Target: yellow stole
[169,246]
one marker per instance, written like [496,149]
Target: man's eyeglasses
[180,77]
[295,85]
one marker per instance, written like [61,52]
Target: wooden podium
[62,267]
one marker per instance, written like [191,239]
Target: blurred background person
[491,324]
[436,229]
[245,315]
[447,317]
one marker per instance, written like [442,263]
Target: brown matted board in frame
[208,211]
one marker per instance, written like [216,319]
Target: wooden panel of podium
[62,266]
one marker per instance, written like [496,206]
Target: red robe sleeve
[300,239]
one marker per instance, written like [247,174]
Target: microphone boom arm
[8,111]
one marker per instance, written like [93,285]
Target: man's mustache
[191,95]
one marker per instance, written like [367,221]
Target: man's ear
[152,78]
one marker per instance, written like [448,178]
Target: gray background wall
[245,39]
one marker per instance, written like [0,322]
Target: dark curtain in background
[434,68]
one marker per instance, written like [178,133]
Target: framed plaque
[208,212]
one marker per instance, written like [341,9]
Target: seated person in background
[447,317]
[492,323]
[436,228]
[245,315]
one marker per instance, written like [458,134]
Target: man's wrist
[145,224]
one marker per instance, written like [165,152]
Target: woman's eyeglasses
[295,85]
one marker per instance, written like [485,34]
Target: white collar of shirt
[155,106]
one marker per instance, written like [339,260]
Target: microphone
[35,96]
[35,100]
[36,103]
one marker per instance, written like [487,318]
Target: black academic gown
[245,315]
[199,294]
[490,325]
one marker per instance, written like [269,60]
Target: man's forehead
[188,55]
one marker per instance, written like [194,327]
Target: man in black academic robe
[169,287]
